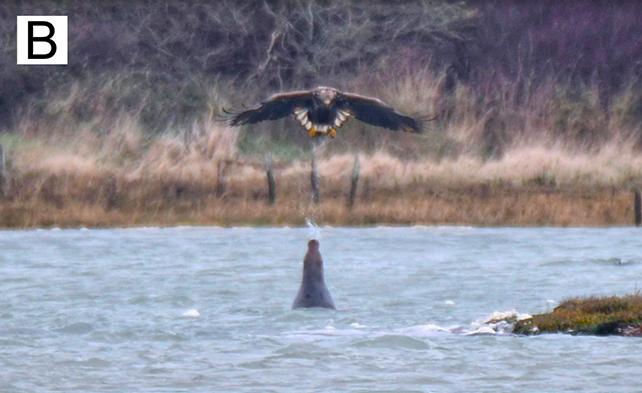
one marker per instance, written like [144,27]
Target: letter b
[41,39]
[46,39]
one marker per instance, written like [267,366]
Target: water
[208,309]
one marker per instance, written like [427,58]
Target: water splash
[314,231]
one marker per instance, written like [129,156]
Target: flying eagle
[323,110]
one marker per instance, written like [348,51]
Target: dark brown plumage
[323,110]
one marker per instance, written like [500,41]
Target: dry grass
[476,206]
[122,180]
[593,315]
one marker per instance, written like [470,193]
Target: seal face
[313,292]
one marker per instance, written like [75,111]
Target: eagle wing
[374,111]
[275,107]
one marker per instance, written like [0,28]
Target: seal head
[313,292]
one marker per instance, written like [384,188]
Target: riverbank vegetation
[538,114]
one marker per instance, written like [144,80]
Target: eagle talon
[312,132]
[332,133]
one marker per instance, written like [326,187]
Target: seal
[313,292]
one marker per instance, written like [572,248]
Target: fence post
[314,179]
[354,181]
[365,190]
[220,178]
[637,207]
[270,180]
[3,173]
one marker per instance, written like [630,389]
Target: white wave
[192,313]
[506,315]
[423,330]
[497,323]
[501,322]
[482,331]
[328,331]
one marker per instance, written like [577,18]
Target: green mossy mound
[613,315]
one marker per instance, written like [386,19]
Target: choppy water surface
[208,309]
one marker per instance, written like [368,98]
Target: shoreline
[323,226]
[477,206]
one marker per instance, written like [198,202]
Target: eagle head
[325,94]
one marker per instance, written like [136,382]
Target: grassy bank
[593,315]
[474,206]
[123,179]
